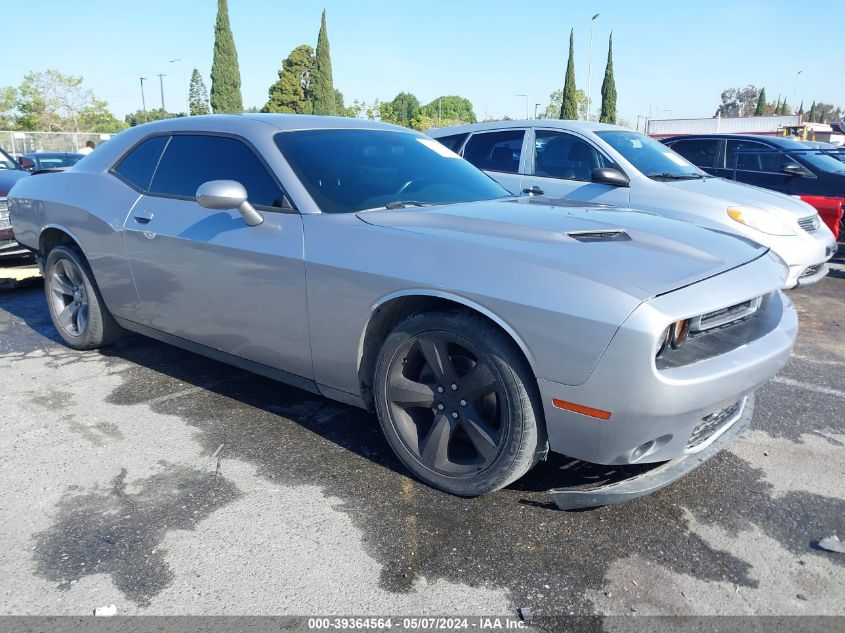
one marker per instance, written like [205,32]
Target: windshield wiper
[401,204]
[668,176]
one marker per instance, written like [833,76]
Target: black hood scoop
[600,236]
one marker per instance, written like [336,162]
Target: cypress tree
[198,95]
[801,108]
[569,107]
[783,106]
[322,86]
[225,74]
[760,110]
[608,88]
[811,117]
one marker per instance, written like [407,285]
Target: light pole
[527,111]
[143,100]
[184,84]
[590,65]
[795,92]
[161,77]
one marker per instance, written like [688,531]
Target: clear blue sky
[669,57]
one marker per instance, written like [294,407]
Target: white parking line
[808,386]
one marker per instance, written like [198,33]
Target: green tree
[8,108]
[292,91]
[404,108]
[339,106]
[225,73]
[811,116]
[552,110]
[569,106]
[322,85]
[608,88]
[760,110]
[50,101]
[784,108]
[449,107]
[198,95]
[825,112]
[156,114]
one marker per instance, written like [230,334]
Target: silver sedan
[372,265]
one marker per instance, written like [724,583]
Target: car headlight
[673,336]
[763,221]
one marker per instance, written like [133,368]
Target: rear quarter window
[138,166]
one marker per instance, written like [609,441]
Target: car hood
[9,177]
[652,254]
[728,193]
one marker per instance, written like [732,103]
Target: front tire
[458,403]
[76,306]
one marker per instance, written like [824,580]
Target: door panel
[562,167]
[756,164]
[207,277]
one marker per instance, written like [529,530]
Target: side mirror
[26,163]
[223,195]
[610,176]
[794,169]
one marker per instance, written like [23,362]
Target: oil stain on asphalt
[119,532]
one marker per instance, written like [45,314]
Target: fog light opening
[641,450]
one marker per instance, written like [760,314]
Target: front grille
[810,223]
[810,271]
[712,423]
[4,214]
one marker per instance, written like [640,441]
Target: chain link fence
[23,142]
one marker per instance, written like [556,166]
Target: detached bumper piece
[651,480]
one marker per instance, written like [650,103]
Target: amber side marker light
[580,408]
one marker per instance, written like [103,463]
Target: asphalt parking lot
[165,483]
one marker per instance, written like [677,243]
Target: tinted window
[559,155]
[752,156]
[189,161]
[138,166]
[652,158]
[353,170]
[701,152]
[453,142]
[496,151]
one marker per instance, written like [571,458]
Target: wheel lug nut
[439,389]
[463,403]
[455,414]
[454,387]
[440,407]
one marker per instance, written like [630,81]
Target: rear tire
[458,403]
[76,306]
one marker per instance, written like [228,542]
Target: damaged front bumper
[654,479]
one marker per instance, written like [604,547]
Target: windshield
[7,162]
[53,161]
[355,170]
[652,158]
[823,160]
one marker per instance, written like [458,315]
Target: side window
[701,153]
[496,151]
[453,142]
[137,166]
[561,155]
[752,156]
[191,160]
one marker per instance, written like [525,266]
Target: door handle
[533,191]
[143,217]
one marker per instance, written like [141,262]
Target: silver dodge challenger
[371,265]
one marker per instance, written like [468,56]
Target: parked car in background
[370,264]
[53,160]
[10,173]
[773,162]
[594,162]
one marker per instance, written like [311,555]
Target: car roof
[561,124]
[763,138]
[281,122]
[52,154]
